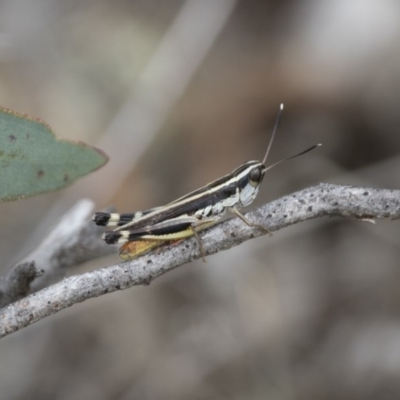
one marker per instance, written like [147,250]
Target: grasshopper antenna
[296,155]
[278,118]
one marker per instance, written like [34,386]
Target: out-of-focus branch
[163,81]
[75,239]
[318,201]
[16,284]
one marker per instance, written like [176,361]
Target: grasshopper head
[249,181]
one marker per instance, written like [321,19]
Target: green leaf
[33,160]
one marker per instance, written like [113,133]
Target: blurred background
[179,93]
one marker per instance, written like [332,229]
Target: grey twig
[317,201]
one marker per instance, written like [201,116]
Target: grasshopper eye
[255,176]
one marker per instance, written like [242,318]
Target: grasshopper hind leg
[199,241]
[201,225]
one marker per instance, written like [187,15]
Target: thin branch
[317,201]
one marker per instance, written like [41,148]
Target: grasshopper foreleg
[248,222]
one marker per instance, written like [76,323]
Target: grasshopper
[140,232]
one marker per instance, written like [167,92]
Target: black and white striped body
[203,207]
